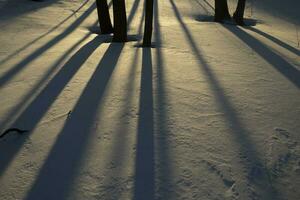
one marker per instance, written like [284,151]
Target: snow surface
[211,112]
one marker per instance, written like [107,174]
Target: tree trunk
[120,21]
[239,12]
[148,23]
[221,10]
[103,17]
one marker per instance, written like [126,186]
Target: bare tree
[238,15]
[103,17]
[148,23]
[120,21]
[221,10]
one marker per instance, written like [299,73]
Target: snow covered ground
[211,112]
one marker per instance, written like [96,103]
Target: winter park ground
[212,111]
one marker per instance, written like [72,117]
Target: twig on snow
[19,131]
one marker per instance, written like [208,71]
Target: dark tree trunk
[221,10]
[239,12]
[103,17]
[148,23]
[120,21]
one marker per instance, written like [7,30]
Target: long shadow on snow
[281,65]
[34,112]
[26,98]
[120,146]
[21,120]
[15,69]
[144,164]
[14,8]
[44,34]
[207,3]
[164,171]
[132,12]
[209,13]
[287,10]
[256,172]
[275,40]
[23,101]
[60,168]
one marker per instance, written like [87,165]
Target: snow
[212,111]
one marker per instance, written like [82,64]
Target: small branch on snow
[69,113]
[19,131]
[57,117]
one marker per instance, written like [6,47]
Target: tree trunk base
[238,20]
[238,15]
[104,17]
[221,11]
[106,32]
[117,40]
[120,21]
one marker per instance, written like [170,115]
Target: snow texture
[212,111]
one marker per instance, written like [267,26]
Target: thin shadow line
[132,12]
[15,69]
[43,35]
[165,171]
[207,3]
[144,163]
[34,112]
[286,69]
[59,170]
[204,8]
[249,155]
[275,40]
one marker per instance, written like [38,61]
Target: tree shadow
[34,112]
[132,12]
[209,13]
[164,170]
[288,11]
[256,173]
[120,146]
[144,164]
[44,34]
[23,102]
[61,166]
[281,65]
[14,8]
[249,22]
[209,5]
[17,68]
[275,40]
